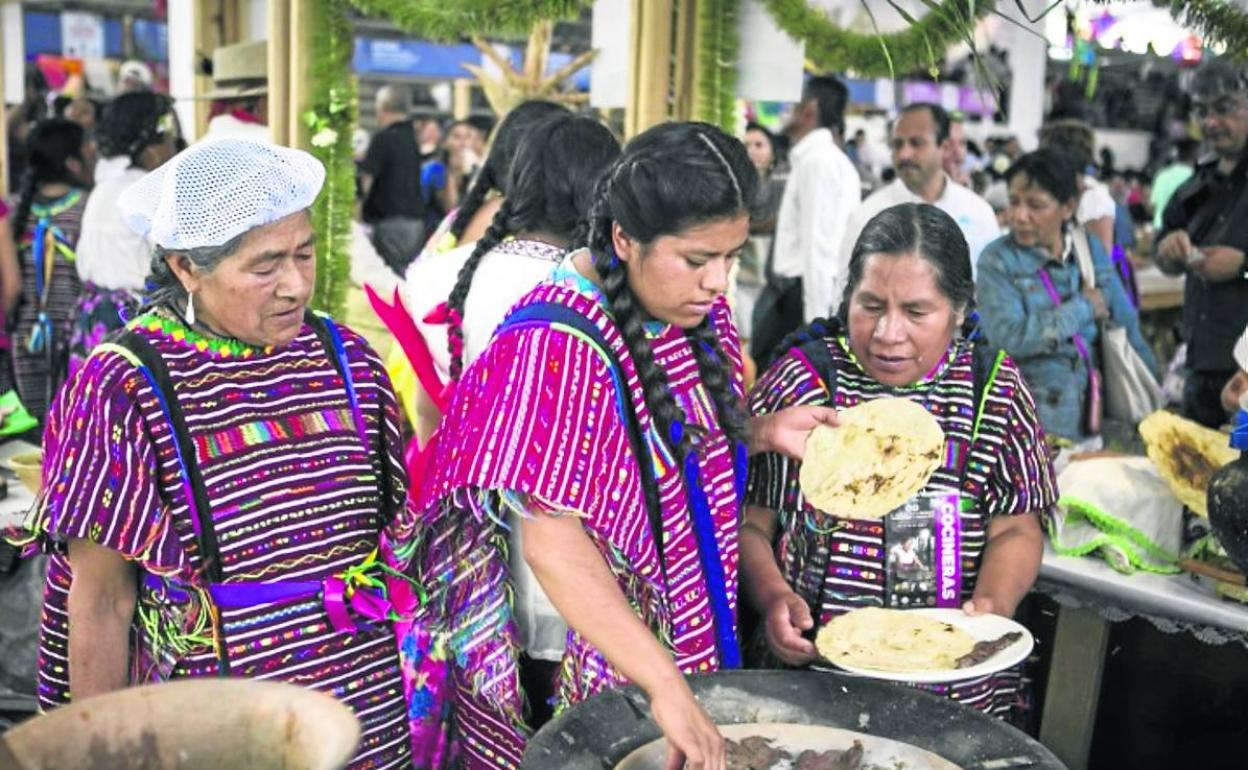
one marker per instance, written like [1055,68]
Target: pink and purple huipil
[296,501]
[839,563]
[536,428]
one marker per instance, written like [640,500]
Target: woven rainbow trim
[253,434]
[178,332]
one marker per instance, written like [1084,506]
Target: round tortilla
[880,454]
[1186,454]
[892,640]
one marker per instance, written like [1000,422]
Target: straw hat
[240,70]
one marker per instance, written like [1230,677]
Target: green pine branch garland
[1217,20]
[922,45]
[331,121]
[719,41]
[457,19]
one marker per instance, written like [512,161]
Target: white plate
[982,627]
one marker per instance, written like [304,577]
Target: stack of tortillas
[880,454]
[892,640]
[1186,454]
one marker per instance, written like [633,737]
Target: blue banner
[415,58]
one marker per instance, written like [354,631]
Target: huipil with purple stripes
[838,563]
[295,495]
[535,429]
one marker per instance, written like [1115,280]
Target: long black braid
[661,186]
[500,227]
[492,176]
[550,187]
[50,145]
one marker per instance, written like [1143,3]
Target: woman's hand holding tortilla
[785,432]
[787,617]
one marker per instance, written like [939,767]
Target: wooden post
[461,98]
[649,76]
[279,70]
[4,142]
[299,133]
[685,76]
[206,41]
[1074,685]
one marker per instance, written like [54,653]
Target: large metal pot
[600,733]
[193,724]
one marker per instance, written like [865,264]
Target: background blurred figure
[240,108]
[134,76]
[1205,234]
[764,154]
[390,181]
[1096,210]
[953,154]
[823,188]
[920,140]
[46,226]
[1170,178]
[113,261]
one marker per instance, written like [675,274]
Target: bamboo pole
[651,65]
[684,78]
[4,142]
[300,74]
[279,16]
[461,98]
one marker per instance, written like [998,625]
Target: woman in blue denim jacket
[1018,312]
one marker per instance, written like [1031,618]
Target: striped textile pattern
[295,496]
[535,418]
[31,369]
[839,564]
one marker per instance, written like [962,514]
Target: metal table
[1091,595]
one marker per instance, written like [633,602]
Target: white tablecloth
[1173,603]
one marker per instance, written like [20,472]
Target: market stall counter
[1090,595]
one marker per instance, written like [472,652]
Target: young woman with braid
[550,188]
[901,334]
[430,277]
[46,225]
[605,419]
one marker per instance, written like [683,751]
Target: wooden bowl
[192,724]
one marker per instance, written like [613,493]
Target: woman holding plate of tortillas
[926,494]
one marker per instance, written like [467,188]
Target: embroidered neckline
[170,327]
[58,206]
[566,273]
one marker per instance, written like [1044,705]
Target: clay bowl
[204,724]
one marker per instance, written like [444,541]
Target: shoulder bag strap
[331,340]
[152,366]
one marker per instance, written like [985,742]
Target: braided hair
[493,173]
[132,123]
[670,178]
[549,189]
[50,146]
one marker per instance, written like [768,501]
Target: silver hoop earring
[190,309]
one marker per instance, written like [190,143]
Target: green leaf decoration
[457,19]
[920,46]
[332,119]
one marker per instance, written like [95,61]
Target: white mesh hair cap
[218,189]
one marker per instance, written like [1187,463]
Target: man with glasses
[1205,234]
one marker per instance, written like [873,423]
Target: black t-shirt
[1213,208]
[393,161]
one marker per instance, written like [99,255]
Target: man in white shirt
[822,190]
[918,137]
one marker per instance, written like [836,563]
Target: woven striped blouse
[839,564]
